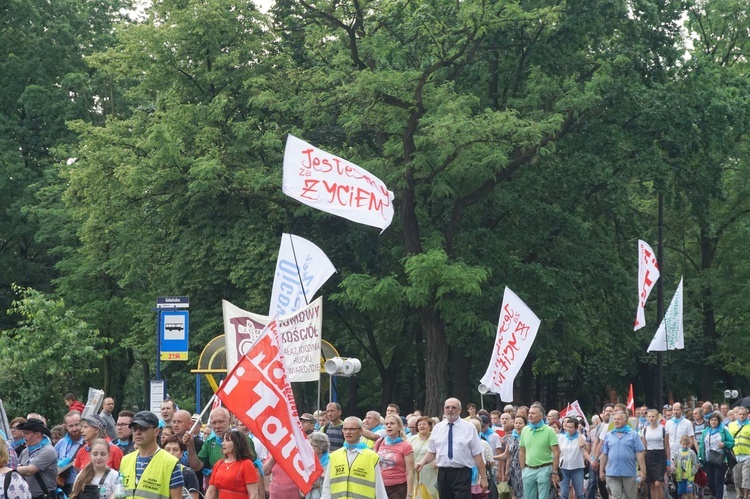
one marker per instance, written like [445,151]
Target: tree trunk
[710,338]
[436,361]
[462,387]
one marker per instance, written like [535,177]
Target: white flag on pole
[301,269]
[648,274]
[670,335]
[516,332]
[334,185]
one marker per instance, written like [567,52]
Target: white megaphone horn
[334,365]
[483,389]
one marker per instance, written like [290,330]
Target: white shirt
[260,449]
[675,432]
[380,492]
[571,451]
[654,437]
[466,444]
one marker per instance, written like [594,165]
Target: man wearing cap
[308,423]
[93,427]
[68,447]
[151,472]
[38,461]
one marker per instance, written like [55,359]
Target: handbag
[731,458]
[420,490]
[715,457]
[503,490]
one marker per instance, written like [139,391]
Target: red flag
[258,393]
[631,401]
[216,404]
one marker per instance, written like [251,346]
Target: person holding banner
[353,470]
[234,477]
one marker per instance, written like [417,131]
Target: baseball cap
[145,419]
[485,420]
[307,417]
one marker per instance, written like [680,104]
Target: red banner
[258,393]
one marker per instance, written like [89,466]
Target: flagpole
[299,274]
[200,417]
[660,306]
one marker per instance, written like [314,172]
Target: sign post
[172,336]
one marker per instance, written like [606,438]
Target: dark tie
[450,440]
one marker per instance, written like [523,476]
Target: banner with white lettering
[648,274]
[516,333]
[258,392]
[301,269]
[300,334]
[670,335]
[334,185]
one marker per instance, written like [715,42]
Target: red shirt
[84,457]
[231,481]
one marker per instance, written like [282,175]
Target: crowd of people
[463,453]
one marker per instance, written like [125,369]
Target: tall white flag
[301,269]
[516,333]
[670,335]
[334,185]
[648,274]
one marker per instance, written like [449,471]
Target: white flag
[301,269]
[516,332]
[648,274]
[334,185]
[574,411]
[300,332]
[670,336]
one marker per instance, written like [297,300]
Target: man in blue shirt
[621,450]
[68,447]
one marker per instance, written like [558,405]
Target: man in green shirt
[539,456]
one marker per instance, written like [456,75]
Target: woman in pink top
[396,459]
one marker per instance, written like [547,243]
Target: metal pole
[317,402]
[158,346]
[660,305]
[330,388]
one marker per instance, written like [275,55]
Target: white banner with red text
[516,332]
[258,392]
[648,274]
[334,185]
[300,332]
[574,411]
[301,269]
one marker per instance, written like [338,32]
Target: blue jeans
[574,478]
[536,482]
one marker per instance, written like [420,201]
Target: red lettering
[309,188]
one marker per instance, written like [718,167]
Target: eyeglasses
[14,427]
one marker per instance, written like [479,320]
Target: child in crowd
[686,466]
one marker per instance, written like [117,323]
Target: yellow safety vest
[154,482]
[357,481]
[741,439]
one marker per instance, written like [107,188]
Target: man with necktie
[456,447]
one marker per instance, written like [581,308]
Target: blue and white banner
[301,269]
[670,335]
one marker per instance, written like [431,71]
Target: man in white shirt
[676,428]
[456,447]
[338,472]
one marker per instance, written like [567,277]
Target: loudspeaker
[334,366]
[483,389]
[351,366]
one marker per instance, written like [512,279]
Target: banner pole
[200,417]
[317,404]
